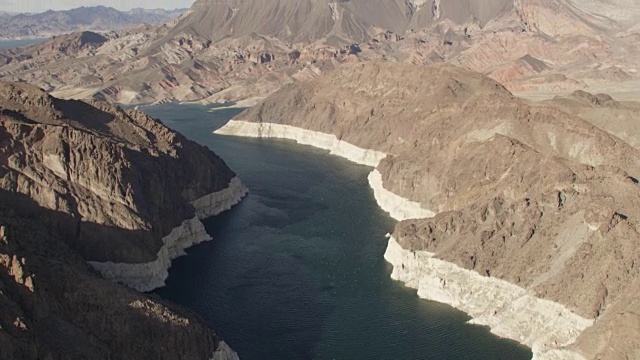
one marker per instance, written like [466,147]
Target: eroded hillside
[523,192]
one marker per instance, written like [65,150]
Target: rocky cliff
[538,203]
[89,182]
[52,305]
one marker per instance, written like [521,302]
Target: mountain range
[235,50]
[97,18]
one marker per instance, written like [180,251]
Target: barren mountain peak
[298,21]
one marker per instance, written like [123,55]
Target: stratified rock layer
[150,275]
[509,310]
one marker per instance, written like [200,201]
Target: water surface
[9,44]
[296,271]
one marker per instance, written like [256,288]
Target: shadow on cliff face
[77,112]
[147,194]
[52,305]
[94,242]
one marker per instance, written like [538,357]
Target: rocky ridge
[523,194]
[94,18]
[79,183]
[236,50]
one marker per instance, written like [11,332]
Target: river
[296,271]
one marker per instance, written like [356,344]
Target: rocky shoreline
[547,326]
[509,310]
[90,183]
[398,207]
[151,275]
[303,136]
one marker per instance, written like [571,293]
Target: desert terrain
[503,135]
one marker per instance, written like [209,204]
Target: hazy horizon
[37,6]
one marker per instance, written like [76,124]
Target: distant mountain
[350,21]
[97,18]
[235,50]
[7,15]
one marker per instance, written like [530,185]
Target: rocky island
[90,189]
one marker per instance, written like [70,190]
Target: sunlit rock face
[534,198]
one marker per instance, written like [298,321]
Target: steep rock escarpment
[538,202]
[53,306]
[393,108]
[89,182]
[100,164]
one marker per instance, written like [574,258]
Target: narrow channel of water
[296,271]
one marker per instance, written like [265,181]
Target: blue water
[296,271]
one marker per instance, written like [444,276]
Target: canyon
[502,135]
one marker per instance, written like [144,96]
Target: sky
[44,5]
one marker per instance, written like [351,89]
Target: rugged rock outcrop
[532,204]
[90,182]
[53,306]
[600,109]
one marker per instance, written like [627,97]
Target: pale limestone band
[509,310]
[306,137]
[224,352]
[151,275]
